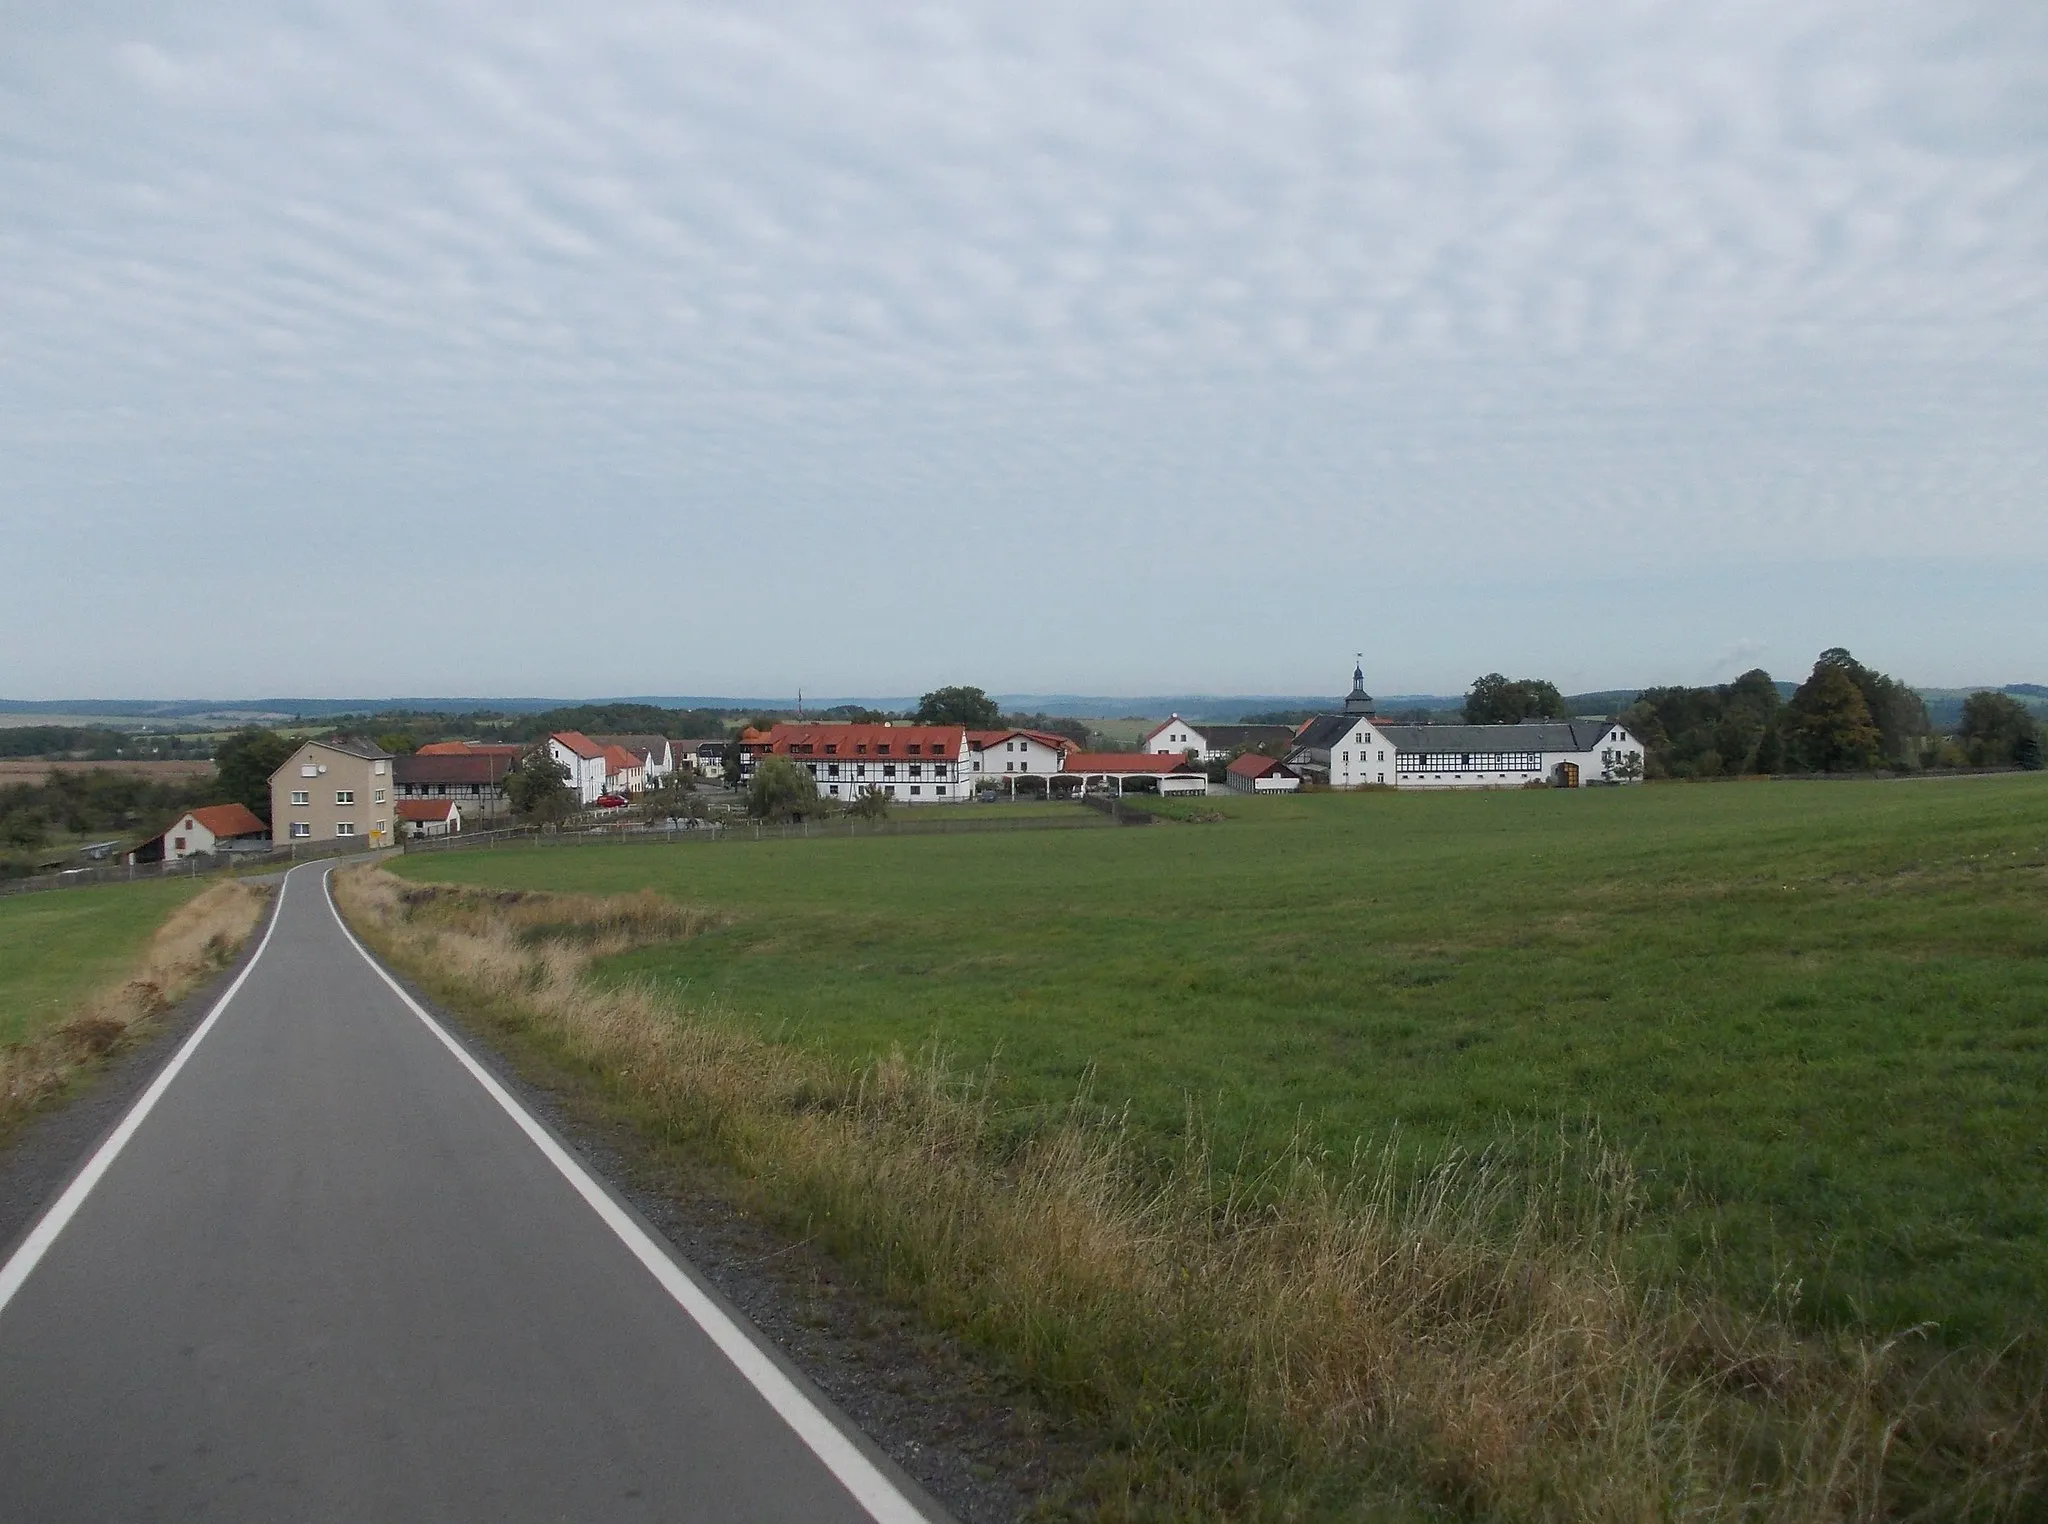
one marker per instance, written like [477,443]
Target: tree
[399,743]
[969,707]
[1996,729]
[538,788]
[1828,727]
[1497,700]
[732,761]
[1900,716]
[781,790]
[245,761]
[870,804]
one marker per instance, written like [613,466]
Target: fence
[755,830]
[184,867]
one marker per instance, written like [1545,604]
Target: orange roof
[468,749]
[982,740]
[848,740]
[229,820]
[579,743]
[1252,765]
[1126,762]
[425,809]
[618,760]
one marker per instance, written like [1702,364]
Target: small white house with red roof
[202,832]
[429,817]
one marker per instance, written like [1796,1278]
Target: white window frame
[301,829]
[302,798]
[344,828]
[344,798]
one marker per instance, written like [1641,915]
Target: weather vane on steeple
[1360,701]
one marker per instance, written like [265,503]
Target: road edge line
[22,1263]
[884,1501]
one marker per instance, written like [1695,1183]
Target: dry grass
[1299,1341]
[198,939]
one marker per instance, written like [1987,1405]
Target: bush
[781,790]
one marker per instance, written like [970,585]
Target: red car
[611,801]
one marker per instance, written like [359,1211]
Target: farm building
[209,829]
[910,764]
[429,817]
[1356,749]
[1254,774]
[1014,755]
[474,778]
[1175,737]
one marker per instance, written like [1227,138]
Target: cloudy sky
[575,349]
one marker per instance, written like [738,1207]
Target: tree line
[89,804]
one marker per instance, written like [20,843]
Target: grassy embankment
[80,967]
[1811,1016]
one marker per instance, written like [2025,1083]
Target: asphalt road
[334,1273]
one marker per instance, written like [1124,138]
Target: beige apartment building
[334,790]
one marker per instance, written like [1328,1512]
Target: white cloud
[1236,299]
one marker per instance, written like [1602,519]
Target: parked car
[611,801]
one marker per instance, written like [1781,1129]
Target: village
[346,789]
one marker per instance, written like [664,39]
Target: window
[832,770]
[914,770]
[377,827]
[345,828]
[915,789]
[344,796]
[889,770]
[302,828]
[380,768]
[831,748]
[309,771]
[177,843]
[835,788]
[1383,777]
[916,749]
[882,749]
[378,797]
[301,796]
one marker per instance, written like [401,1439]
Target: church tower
[1360,701]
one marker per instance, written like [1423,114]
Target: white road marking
[37,1244]
[884,1502]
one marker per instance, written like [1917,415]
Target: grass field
[1813,1012]
[57,949]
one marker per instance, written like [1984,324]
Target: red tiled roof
[617,759]
[929,740]
[425,810]
[471,749]
[983,740]
[1126,762]
[226,820]
[1252,765]
[579,743]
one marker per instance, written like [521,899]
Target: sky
[520,348]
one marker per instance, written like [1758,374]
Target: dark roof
[1530,735]
[355,746]
[698,748]
[1230,737]
[644,746]
[490,767]
[1325,730]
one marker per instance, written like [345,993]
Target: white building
[210,828]
[909,764]
[1356,749]
[657,756]
[1174,737]
[584,759]
[1005,757]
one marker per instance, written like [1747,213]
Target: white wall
[586,774]
[1018,755]
[1176,738]
[1361,756]
[198,840]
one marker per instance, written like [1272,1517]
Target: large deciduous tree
[781,790]
[1828,725]
[969,707]
[1997,730]
[538,788]
[1904,730]
[245,761]
[1498,700]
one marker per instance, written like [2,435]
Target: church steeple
[1360,701]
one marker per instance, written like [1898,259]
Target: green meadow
[57,948]
[1814,1013]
